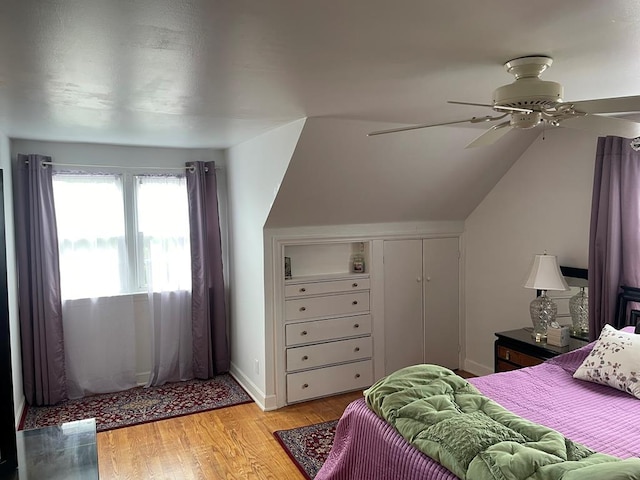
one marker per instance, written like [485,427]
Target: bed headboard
[627,312]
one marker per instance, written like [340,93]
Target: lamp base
[543,312]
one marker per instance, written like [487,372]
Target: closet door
[441,301]
[403,311]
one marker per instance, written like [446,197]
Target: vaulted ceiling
[216,73]
[213,73]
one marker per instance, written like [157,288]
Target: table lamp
[544,275]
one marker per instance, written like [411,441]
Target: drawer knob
[305,357]
[357,325]
[354,285]
[355,302]
[303,333]
[357,375]
[302,309]
[357,349]
[507,355]
[306,385]
[303,289]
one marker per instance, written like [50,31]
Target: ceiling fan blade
[608,105]
[426,125]
[492,135]
[617,127]
[495,107]
[470,103]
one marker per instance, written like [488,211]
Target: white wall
[101,154]
[143,157]
[255,170]
[12,279]
[542,203]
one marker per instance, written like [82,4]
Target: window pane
[91,235]
[163,232]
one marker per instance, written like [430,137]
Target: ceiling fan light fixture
[525,120]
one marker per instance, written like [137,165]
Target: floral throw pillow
[614,361]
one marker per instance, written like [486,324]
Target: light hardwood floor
[228,443]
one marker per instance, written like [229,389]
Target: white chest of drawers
[327,331]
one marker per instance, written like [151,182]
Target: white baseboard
[477,368]
[266,403]
[142,378]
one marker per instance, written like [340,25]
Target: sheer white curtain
[91,235]
[163,238]
[99,332]
[100,345]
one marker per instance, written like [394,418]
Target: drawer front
[329,380]
[320,288]
[503,366]
[330,329]
[315,307]
[321,354]
[518,358]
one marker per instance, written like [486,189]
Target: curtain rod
[119,166]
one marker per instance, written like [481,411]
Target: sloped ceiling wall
[340,176]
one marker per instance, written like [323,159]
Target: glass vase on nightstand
[543,314]
[579,310]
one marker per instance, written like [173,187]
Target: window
[163,233]
[119,233]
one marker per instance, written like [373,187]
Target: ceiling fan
[530,101]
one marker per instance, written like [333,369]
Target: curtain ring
[191,168]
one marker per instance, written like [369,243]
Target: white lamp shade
[545,274]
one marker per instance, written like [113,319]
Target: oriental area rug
[141,405]
[308,446]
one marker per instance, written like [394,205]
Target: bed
[600,417]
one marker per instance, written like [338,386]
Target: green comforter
[448,419]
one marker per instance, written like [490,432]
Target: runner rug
[308,446]
[141,405]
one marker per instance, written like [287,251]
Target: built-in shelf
[327,277]
[328,259]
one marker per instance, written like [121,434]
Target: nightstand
[517,348]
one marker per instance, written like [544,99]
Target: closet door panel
[403,311]
[441,299]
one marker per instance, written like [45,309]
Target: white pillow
[614,361]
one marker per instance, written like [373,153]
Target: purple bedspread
[600,417]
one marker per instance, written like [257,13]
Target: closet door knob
[303,289]
[303,333]
[305,357]
[306,385]
[355,302]
[302,309]
[354,285]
